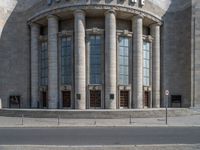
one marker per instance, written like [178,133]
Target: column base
[53,105]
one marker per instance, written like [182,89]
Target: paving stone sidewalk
[193,120]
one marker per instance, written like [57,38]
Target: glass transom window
[123,59]
[66,60]
[146,63]
[95,56]
[44,64]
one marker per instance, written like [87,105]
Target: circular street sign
[166,92]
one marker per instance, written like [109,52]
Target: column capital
[79,11]
[33,24]
[138,16]
[110,11]
[155,24]
[52,16]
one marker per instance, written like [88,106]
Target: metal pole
[58,120]
[166,109]
[95,121]
[22,119]
[130,121]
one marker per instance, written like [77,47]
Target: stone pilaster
[35,32]
[137,25]
[155,33]
[80,60]
[52,62]
[110,60]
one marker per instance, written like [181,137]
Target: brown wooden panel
[124,98]
[66,95]
[146,99]
[95,98]
[44,100]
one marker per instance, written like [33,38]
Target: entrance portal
[95,99]
[66,95]
[124,99]
[146,99]
[44,99]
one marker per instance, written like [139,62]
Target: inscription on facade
[141,2]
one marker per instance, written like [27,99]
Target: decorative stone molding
[65,33]
[147,88]
[110,7]
[79,11]
[94,31]
[34,24]
[125,32]
[43,38]
[66,88]
[156,24]
[110,11]
[125,87]
[148,38]
[95,87]
[43,89]
[52,16]
[138,16]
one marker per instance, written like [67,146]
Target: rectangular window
[123,59]
[44,64]
[95,59]
[66,60]
[146,63]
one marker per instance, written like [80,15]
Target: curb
[99,126]
[104,147]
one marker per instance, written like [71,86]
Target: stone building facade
[99,54]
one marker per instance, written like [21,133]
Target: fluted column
[137,24]
[52,62]
[155,33]
[35,32]
[80,60]
[110,60]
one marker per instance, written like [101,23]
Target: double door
[66,96]
[146,98]
[43,100]
[124,99]
[95,99]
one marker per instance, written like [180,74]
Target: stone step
[99,114]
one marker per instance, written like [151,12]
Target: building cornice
[63,8]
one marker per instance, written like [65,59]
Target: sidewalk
[187,121]
[104,147]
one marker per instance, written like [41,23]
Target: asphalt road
[99,136]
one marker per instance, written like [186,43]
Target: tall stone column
[110,60]
[80,60]
[35,32]
[137,25]
[52,62]
[155,32]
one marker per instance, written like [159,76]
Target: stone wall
[14,50]
[195,50]
[176,52]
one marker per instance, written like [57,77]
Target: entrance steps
[98,114]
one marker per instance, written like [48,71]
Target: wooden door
[124,99]
[66,98]
[146,99]
[95,98]
[44,99]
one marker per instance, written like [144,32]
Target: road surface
[100,136]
